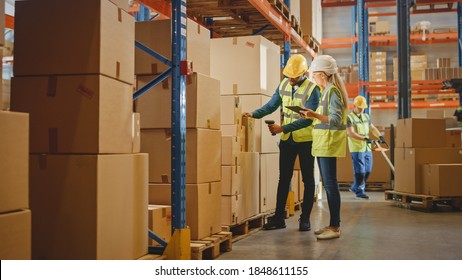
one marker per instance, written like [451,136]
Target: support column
[404,79]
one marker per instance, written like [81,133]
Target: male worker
[296,137]
[457,85]
[358,127]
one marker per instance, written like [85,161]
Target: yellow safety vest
[301,96]
[360,126]
[329,140]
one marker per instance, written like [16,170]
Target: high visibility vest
[301,96]
[360,126]
[329,140]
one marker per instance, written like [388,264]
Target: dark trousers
[288,152]
[328,169]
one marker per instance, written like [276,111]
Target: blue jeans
[328,169]
[362,167]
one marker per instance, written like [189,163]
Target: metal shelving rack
[361,46]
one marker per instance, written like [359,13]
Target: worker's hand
[368,141]
[307,114]
[245,114]
[382,139]
[275,128]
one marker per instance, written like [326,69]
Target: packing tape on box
[52,85]
[234,40]
[119,14]
[42,161]
[117,69]
[234,88]
[198,29]
[164,179]
[165,84]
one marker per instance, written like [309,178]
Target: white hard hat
[324,63]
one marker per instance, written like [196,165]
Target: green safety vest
[301,96]
[329,140]
[360,126]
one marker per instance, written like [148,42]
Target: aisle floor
[371,230]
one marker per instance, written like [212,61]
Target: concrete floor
[371,230]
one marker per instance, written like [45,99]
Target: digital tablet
[296,108]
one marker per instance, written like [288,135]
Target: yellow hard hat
[360,102]
[296,66]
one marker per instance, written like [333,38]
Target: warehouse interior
[127,135]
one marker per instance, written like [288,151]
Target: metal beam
[286,41]
[459,31]
[404,79]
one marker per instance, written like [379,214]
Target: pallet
[248,226]
[209,248]
[151,257]
[281,8]
[423,202]
[379,33]
[296,26]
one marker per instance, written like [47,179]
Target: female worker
[329,134]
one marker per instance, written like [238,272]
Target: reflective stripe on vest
[361,127]
[329,140]
[301,96]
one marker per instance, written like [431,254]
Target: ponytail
[338,82]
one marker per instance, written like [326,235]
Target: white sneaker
[319,231]
[329,234]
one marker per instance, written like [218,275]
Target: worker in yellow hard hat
[296,138]
[358,127]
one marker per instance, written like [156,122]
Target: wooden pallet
[151,257]
[248,226]
[379,33]
[423,202]
[296,26]
[281,8]
[209,248]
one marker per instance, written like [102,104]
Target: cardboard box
[84,114]
[136,133]
[409,161]
[269,179]
[443,62]
[123,4]
[234,130]
[453,138]
[160,222]
[382,55]
[202,103]
[100,44]
[415,133]
[250,182]
[442,179]
[157,35]
[231,209]
[353,77]
[230,150]
[203,208]
[203,155]
[231,180]
[6,84]
[231,110]
[245,65]
[382,26]
[249,127]
[264,141]
[14,161]
[435,114]
[418,74]
[15,235]
[89,206]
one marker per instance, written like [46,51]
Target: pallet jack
[379,148]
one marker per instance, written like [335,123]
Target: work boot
[304,225]
[362,196]
[274,223]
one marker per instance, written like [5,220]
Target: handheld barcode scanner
[270,122]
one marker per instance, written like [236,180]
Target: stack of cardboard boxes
[418,66]
[378,66]
[349,73]
[88,181]
[443,70]
[203,135]
[248,68]
[425,160]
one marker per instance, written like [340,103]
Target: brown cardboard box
[123,4]
[443,62]
[306,17]
[157,35]
[231,110]
[100,44]
[415,133]
[202,103]
[136,133]
[269,178]
[231,180]
[160,222]
[203,208]
[382,26]
[451,122]
[435,114]
[231,209]
[250,182]
[234,130]
[442,179]
[453,138]
[249,127]
[203,155]
[382,55]
[264,141]
[353,77]
[230,149]
[408,163]
[418,74]
[84,114]
[15,235]
[14,161]
[245,65]
[89,206]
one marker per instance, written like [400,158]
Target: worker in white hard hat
[329,135]
[358,126]
[296,137]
